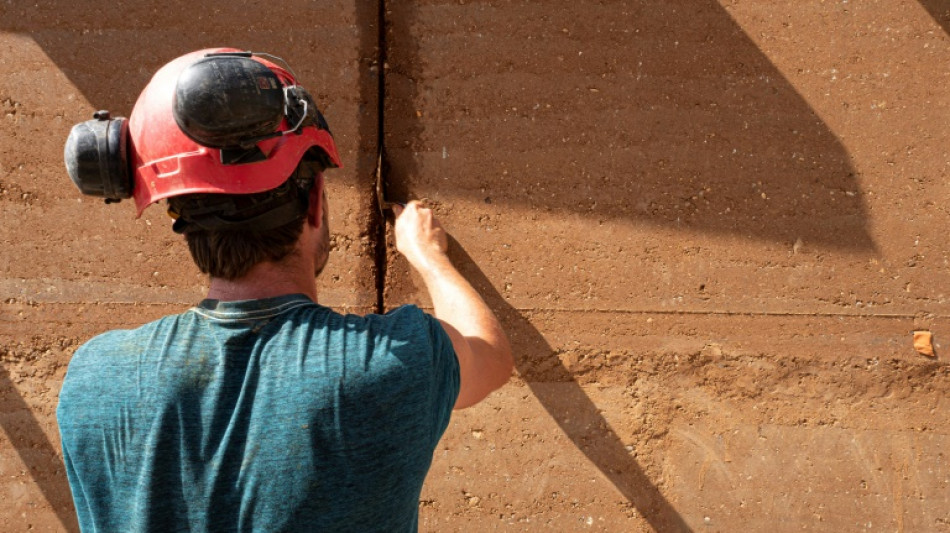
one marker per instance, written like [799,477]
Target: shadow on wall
[940,11]
[658,112]
[110,51]
[36,451]
[573,411]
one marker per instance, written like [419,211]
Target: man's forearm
[457,303]
[482,349]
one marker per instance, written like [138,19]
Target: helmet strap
[216,212]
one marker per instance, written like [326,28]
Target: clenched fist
[419,236]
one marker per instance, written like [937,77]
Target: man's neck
[267,280]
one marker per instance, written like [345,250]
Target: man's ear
[315,205]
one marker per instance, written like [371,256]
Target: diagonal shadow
[569,406]
[660,112]
[939,10]
[729,147]
[109,52]
[36,451]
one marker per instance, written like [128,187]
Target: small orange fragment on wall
[923,343]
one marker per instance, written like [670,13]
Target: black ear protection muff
[96,157]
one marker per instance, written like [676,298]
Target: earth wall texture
[709,227]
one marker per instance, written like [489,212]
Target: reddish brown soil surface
[709,227]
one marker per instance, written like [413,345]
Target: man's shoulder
[105,367]
[403,313]
[404,319]
[145,329]
[120,340]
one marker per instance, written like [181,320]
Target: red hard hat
[166,162]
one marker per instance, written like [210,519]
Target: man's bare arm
[483,351]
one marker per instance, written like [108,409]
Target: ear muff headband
[229,101]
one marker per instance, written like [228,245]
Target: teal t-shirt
[259,415]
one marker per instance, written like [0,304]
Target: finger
[397,209]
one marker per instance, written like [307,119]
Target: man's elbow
[494,374]
[502,368]
[502,362]
[506,366]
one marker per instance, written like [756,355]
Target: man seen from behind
[259,409]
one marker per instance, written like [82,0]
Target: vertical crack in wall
[377,229]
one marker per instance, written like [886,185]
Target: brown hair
[231,254]
[230,242]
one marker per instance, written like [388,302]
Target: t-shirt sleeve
[445,380]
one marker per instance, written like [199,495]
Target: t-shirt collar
[250,309]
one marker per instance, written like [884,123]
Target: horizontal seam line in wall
[901,316]
[723,313]
[185,305]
